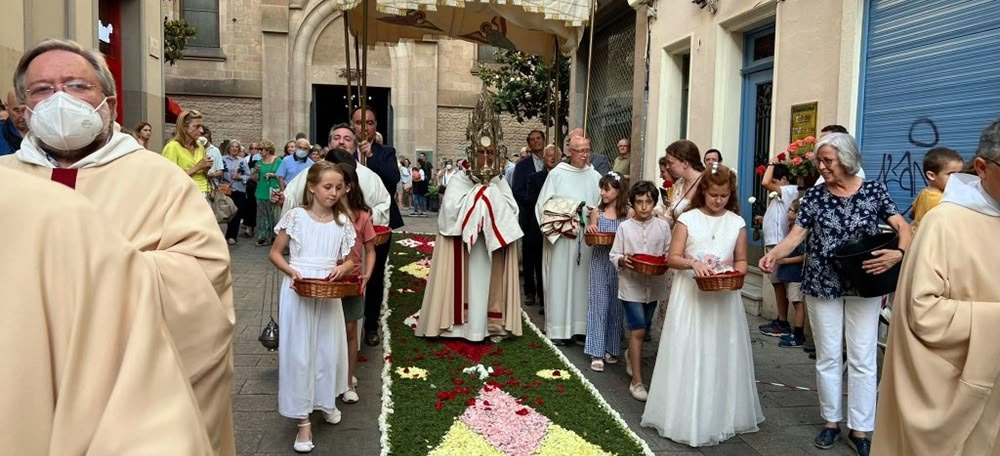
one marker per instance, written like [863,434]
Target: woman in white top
[405,182]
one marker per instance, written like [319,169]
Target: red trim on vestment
[493,223]
[494,314]
[475,200]
[459,298]
[65,176]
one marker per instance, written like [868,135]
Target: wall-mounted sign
[803,122]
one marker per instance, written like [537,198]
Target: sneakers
[776,328]
[638,392]
[862,445]
[826,438]
[332,418]
[791,341]
[350,396]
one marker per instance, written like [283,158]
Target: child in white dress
[312,343]
[703,389]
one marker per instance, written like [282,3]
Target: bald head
[579,151]
[302,143]
[15,112]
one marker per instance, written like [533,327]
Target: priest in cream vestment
[565,257]
[940,390]
[473,290]
[143,198]
[88,364]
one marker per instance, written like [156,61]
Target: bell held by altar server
[269,336]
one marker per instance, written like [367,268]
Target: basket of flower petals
[599,238]
[726,281]
[649,264]
[382,234]
[327,289]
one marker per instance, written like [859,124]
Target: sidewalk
[792,416]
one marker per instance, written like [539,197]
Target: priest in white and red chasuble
[473,290]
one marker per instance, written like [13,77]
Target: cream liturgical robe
[566,262]
[161,213]
[88,364]
[372,189]
[473,288]
[939,393]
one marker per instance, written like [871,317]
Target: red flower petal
[406,370]
[539,401]
[556,373]
[522,412]
[471,402]
[413,326]
[457,381]
[560,389]
[496,363]
[388,358]
[487,409]
[442,395]
[439,405]
[486,403]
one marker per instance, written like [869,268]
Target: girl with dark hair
[604,311]
[703,389]
[363,256]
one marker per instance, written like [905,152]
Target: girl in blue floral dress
[604,311]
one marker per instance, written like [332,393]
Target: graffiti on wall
[904,173]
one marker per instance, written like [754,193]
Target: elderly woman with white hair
[844,209]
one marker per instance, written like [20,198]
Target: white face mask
[448,167]
[64,122]
[301,153]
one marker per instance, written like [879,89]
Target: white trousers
[855,320]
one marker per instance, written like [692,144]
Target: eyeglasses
[44,90]
[992,161]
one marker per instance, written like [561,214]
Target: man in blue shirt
[14,128]
[292,165]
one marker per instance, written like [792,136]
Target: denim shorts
[638,315]
[354,307]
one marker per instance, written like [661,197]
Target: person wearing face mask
[300,162]
[70,98]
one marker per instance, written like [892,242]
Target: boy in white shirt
[781,194]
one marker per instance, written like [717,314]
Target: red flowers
[457,381]
[782,156]
[522,412]
[556,373]
[560,389]
[439,405]
[668,184]
[760,170]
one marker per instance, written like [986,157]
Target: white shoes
[332,418]
[350,396]
[303,447]
[638,392]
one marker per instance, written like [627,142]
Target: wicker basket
[316,288]
[649,264]
[599,238]
[382,234]
[728,281]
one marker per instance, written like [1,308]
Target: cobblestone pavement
[792,416]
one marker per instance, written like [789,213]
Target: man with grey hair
[944,336]
[568,189]
[13,129]
[146,200]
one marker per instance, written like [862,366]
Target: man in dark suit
[531,243]
[382,160]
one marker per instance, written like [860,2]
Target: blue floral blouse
[833,221]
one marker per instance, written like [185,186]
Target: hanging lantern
[269,336]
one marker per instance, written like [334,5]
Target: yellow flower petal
[462,440]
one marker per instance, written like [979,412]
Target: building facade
[274,68]
[747,77]
[127,32]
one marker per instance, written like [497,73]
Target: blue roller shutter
[931,77]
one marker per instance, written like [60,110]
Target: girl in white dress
[703,389]
[312,343]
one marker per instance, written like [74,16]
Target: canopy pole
[590,57]
[347,54]
[364,83]
[557,140]
[549,97]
